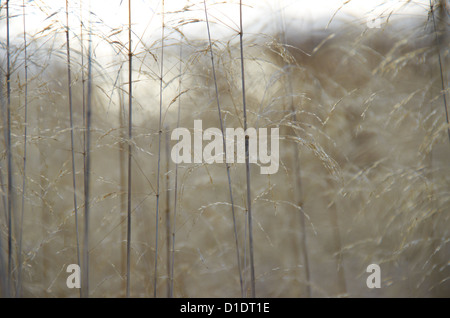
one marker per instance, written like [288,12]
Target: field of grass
[90,97]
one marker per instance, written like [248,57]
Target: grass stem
[159,150]
[24,168]
[130,136]
[225,153]
[175,203]
[85,268]
[247,163]
[74,184]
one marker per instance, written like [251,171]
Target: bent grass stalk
[225,153]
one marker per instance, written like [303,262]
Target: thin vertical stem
[298,191]
[342,286]
[74,184]
[130,136]
[168,209]
[8,148]
[87,168]
[24,168]
[3,280]
[122,185]
[225,153]
[438,47]
[176,178]
[247,163]
[83,84]
[83,80]
[159,149]
[3,269]
[2,188]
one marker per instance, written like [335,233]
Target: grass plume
[363,175]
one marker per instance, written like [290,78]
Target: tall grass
[298,191]
[24,167]
[158,177]
[69,81]
[363,175]
[7,125]
[130,135]
[224,152]
[438,48]
[4,278]
[87,171]
[247,162]
[175,196]
[167,212]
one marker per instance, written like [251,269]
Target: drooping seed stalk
[130,136]
[225,154]
[159,150]
[247,162]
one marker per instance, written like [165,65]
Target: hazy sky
[46,19]
[257,13]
